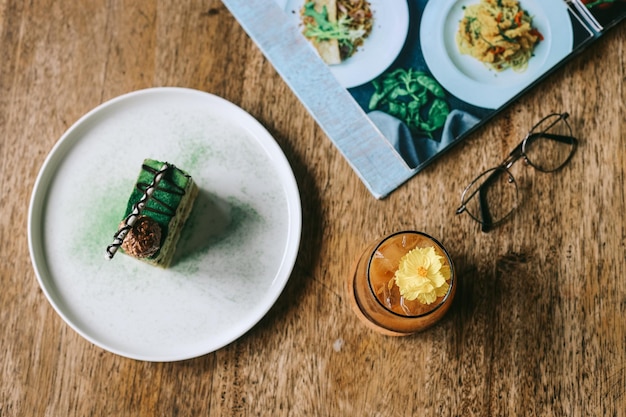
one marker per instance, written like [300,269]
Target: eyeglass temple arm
[557,138]
[481,192]
[518,151]
[485,215]
[486,220]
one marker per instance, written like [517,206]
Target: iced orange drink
[403,283]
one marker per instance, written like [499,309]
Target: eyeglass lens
[550,144]
[491,197]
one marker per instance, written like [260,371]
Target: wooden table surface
[538,324]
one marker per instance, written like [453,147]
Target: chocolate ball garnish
[143,239]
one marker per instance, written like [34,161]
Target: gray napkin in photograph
[417,150]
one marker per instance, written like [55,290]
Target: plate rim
[69,138]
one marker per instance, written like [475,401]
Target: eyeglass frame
[519,152]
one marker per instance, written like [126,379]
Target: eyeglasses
[492,196]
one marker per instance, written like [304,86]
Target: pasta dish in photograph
[498,33]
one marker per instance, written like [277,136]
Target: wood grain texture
[537,327]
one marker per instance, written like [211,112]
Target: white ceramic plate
[379,50]
[470,80]
[236,252]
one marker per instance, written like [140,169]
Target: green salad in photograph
[336,27]
[413,97]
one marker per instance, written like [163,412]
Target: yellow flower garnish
[422,276]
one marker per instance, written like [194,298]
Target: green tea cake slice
[156,212]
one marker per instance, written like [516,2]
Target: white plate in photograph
[469,79]
[380,48]
[236,251]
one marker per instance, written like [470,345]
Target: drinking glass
[375,294]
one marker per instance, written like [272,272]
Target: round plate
[380,48]
[469,79]
[236,251]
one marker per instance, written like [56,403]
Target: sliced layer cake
[156,212]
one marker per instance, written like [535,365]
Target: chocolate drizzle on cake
[129,221]
[164,209]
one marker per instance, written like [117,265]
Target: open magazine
[397,83]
